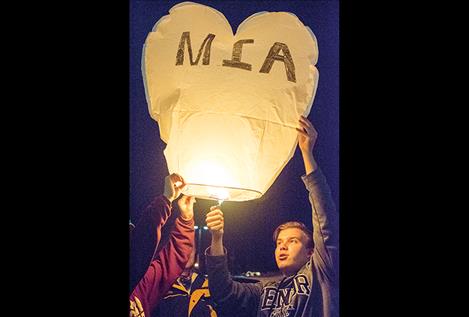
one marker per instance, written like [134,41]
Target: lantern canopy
[228,105]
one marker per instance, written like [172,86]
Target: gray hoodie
[312,291]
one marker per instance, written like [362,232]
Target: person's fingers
[215,223]
[306,125]
[302,132]
[306,121]
[307,128]
[182,179]
[313,129]
[214,219]
[180,186]
[214,207]
[217,228]
[214,213]
[177,180]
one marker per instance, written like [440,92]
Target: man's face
[291,252]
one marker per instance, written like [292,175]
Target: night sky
[248,225]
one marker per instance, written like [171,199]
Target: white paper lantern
[228,105]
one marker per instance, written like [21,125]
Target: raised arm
[324,213]
[174,256]
[170,261]
[146,235]
[229,295]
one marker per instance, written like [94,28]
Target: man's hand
[307,136]
[186,205]
[215,222]
[173,186]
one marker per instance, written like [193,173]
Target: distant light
[249,273]
[196,265]
[205,228]
[196,227]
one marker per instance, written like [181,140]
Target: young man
[151,275]
[307,261]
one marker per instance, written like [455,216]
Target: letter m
[186,38]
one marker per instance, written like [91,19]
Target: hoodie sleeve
[325,224]
[229,295]
[168,264]
[145,238]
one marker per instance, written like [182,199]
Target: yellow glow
[229,131]
[219,193]
[209,173]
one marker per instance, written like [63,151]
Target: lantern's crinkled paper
[229,119]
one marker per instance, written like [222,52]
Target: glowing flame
[213,174]
[210,173]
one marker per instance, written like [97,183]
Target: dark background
[66,156]
[249,225]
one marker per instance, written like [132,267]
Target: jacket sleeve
[325,224]
[145,238]
[168,264]
[229,295]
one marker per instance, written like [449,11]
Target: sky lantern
[227,105]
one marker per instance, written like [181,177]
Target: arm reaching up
[307,136]
[146,236]
[229,295]
[215,223]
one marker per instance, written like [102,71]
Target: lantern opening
[220,193]
[209,177]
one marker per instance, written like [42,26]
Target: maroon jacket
[151,275]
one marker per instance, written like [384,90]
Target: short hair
[298,225]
